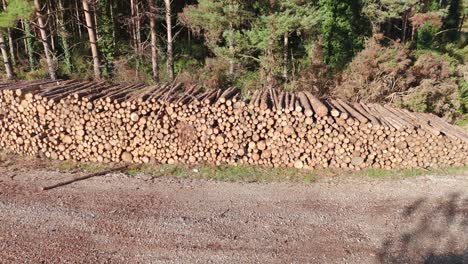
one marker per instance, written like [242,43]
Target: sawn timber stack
[99,122]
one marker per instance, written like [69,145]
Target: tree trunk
[6,60]
[29,45]
[95,18]
[231,52]
[12,48]
[285,56]
[78,17]
[64,36]
[114,35]
[92,39]
[51,28]
[136,34]
[405,24]
[45,43]
[461,24]
[170,55]
[154,47]
[231,60]
[132,25]
[270,62]
[10,40]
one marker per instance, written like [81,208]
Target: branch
[446,30]
[250,57]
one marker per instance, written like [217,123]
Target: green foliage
[460,54]
[452,20]
[426,36]
[33,75]
[186,64]
[343,29]
[463,90]
[220,22]
[219,43]
[16,9]
[82,67]
[265,36]
[463,122]
[245,33]
[249,81]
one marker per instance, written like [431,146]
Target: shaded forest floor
[134,217]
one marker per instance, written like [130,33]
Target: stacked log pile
[99,122]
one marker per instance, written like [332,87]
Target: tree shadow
[432,231]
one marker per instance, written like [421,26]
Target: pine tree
[221,24]
[268,31]
[343,29]
[453,20]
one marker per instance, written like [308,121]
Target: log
[98,122]
[84,178]
[303,99]
[353,112]
[319,108]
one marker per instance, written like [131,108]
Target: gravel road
[122,219]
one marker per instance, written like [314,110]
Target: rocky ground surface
[139,219]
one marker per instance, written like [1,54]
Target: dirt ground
[137,219]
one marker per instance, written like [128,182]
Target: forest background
[409,53]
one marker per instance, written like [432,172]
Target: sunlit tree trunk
[285,56]
[12,47]
[405,25]
[231,52]
[136,32]
[154,41]
[92,38]
[114,35]
[6,60]
[461,24]
[45,43]
[170,55]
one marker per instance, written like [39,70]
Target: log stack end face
[92,121]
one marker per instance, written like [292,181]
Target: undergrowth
[228,173]
[250,174]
